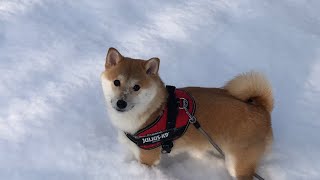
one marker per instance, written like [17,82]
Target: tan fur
[242,129]
[252,85]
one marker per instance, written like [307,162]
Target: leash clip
[184,104]
[193,120]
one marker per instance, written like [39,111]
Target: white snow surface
[53,119]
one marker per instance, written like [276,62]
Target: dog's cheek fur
[107,89]
[145,97]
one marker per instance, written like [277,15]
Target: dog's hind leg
[241,163]
[239,168]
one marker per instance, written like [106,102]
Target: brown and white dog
[236,116]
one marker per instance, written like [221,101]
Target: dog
[237,116]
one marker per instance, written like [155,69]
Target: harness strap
[172,115]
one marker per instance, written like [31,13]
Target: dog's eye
[116,82]
[136,87]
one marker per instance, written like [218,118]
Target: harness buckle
[166,147]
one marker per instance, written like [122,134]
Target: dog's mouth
[120,110]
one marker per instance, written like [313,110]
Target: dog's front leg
[150,157]
[134,150]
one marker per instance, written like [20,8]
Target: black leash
[193,120]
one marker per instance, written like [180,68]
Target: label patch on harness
[155,138]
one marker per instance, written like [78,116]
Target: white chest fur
[122,138]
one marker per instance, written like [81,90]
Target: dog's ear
[113,58]
[152,66]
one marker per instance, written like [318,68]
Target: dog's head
[130,86]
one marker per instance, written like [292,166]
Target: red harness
[170,125]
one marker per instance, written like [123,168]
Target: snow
[53,122]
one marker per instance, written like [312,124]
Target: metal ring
[185,103]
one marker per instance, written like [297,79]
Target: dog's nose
[121,104]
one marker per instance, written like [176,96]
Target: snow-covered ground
[53,122]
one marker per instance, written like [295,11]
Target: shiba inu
[237,116]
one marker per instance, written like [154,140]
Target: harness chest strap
[171,119]
[170,125]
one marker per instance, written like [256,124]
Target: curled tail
[252,86]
